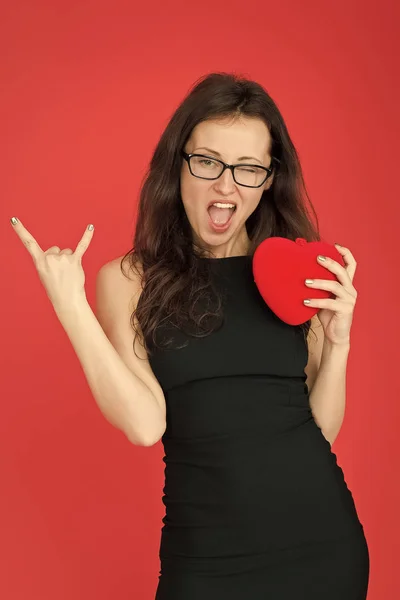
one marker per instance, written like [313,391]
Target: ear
[269,181]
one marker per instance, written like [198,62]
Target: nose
[225,181]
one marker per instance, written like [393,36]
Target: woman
[246,406]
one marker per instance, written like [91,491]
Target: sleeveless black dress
[257,507]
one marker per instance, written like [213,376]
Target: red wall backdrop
[86,90]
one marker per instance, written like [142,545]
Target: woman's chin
[210,235]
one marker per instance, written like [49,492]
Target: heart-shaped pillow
[280,267]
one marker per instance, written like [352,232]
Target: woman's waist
[227,469]
[235,478]
[243,486]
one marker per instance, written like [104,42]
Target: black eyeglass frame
[268,170]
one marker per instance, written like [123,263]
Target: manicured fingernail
[307,301]
[14,220]
[90,227]
[309,281]
[320,257]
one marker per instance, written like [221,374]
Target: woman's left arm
[327,365]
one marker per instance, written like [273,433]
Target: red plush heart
[280,267]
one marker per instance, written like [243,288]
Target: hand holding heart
[280,268]
[336,315]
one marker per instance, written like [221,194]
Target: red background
[86,90]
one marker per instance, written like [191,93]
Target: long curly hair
[176,285]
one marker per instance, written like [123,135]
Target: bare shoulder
[127,279]
[117,294]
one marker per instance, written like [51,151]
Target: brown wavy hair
[176,285]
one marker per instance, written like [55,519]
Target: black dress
[257,507]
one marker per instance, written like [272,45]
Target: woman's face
[246,137]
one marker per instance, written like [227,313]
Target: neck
[237,247]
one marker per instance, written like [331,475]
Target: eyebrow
[240,158]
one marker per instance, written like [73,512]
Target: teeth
[223,205]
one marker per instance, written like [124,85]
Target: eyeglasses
[248,175]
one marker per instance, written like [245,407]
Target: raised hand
[60,271]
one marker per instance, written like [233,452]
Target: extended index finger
[27,239]
[84,242]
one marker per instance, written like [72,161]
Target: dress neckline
[225,258]
[228,264]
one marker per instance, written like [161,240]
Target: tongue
[220,216]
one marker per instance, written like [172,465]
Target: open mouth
[221,213]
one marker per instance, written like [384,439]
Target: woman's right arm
[124,387]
